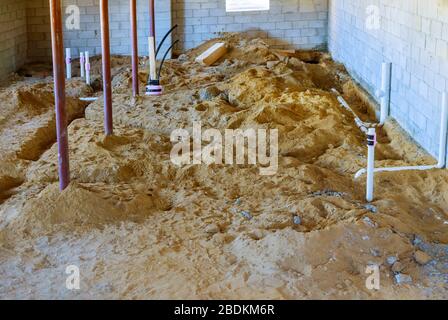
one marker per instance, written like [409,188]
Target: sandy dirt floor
[140,227]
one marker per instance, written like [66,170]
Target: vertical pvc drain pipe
[87,57]
[443,132]
[135,81]
[107,83]
[82,62]
[371,142]
[68,62]
[59,93]
[384,94]
[152,42]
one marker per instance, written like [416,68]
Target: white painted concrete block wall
[413,35]
[88,37]
[12,36]
[288,23]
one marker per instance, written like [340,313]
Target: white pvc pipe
[82,65]
[371,141]
[87,67]
[443,132]
[442,147]
[384,93]
[152,58]
[89,99]
[362,172]
[68,62]
[359,123]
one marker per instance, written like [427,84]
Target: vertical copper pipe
[107,85]
[135,82]
[152,19]
[57,44]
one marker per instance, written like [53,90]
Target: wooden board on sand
[212,54]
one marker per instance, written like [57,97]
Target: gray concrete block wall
[288,23]
[38,30]
[12,36]
[413,35]
[88,37]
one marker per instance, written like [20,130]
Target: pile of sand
[139,226]
[28,125]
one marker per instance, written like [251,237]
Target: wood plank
[213,54]
[285,53]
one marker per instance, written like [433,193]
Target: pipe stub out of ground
[154,88]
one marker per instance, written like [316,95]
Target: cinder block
[412,36]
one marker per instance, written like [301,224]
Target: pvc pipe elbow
[360,173]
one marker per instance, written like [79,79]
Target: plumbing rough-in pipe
[154,87]
[68,62]
[371,142]
[59,93]
[107,82]
[88,99]
[361,172]
[363,126]
[443,132]
[135,82]
[87,57]
[384,92]
[152,42]
[442,147]
[82,66]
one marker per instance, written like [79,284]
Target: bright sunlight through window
[246,5]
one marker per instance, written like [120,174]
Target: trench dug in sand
[139,226]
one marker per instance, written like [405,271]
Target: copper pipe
[107,83]
[57,45]
[135,81]
[152,19]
